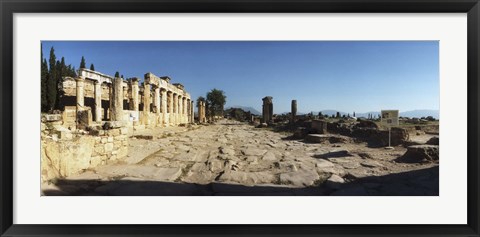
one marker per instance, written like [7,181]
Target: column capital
[80,79]
[96,82]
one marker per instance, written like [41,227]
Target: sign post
[389,119]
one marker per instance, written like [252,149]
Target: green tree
[216,100]
[52,81]
[92,67]
[82,63]
[62,71]
[117,74]
[44,81]
[338,115]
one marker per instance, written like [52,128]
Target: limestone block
[96,161]
[299,178]
[319,126]
[117,144]
[109,147]
[110,139]
[64,135]
[124,130]
[421,153]
[122,152]
[120,138]
[52,117]
[113,132]
[100,149]
[65,158]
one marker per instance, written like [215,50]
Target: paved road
[232,158]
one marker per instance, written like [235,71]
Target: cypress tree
[117,74]
[52,81]
[82,63]
[43,83]
[61,72]
[92,67]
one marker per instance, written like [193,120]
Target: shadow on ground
[423,182]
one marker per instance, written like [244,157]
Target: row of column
[201,112]
[171,108]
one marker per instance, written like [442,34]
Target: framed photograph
[233,117]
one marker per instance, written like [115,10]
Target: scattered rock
[435,140]
[299,178]
[420,153]
[269,156]
[334,182]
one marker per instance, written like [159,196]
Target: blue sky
[348,76]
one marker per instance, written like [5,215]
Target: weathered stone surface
[299,178]
[227,151]
[51,117]
[250,151]
[322,138]
[64,158]
[247,178]
[215,165]
[371,164]
[334,182]
[420,153]
[269,156]
[323,164]
[319,126]
[433,141]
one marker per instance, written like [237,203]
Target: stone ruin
[201,112]
[97,111]
[96,97]
[267,111]
[294,110]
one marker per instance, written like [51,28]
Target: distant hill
[245,108]
[412,113]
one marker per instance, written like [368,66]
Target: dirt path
[232,158]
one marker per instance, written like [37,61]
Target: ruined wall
[65,153]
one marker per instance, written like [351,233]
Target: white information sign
[390,117]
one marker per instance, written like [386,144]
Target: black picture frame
[9,7]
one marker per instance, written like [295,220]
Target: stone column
[192,115]
[185,110]
[174,109]
[156,102]
[163,106]
[146,103]
[117,103]
[80,93]
[135,94]
[267,109]
[294,110]
[199,112]
[98,101]
[202,114]
[180,110]
[188,111]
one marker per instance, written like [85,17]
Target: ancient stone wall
[65,153]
